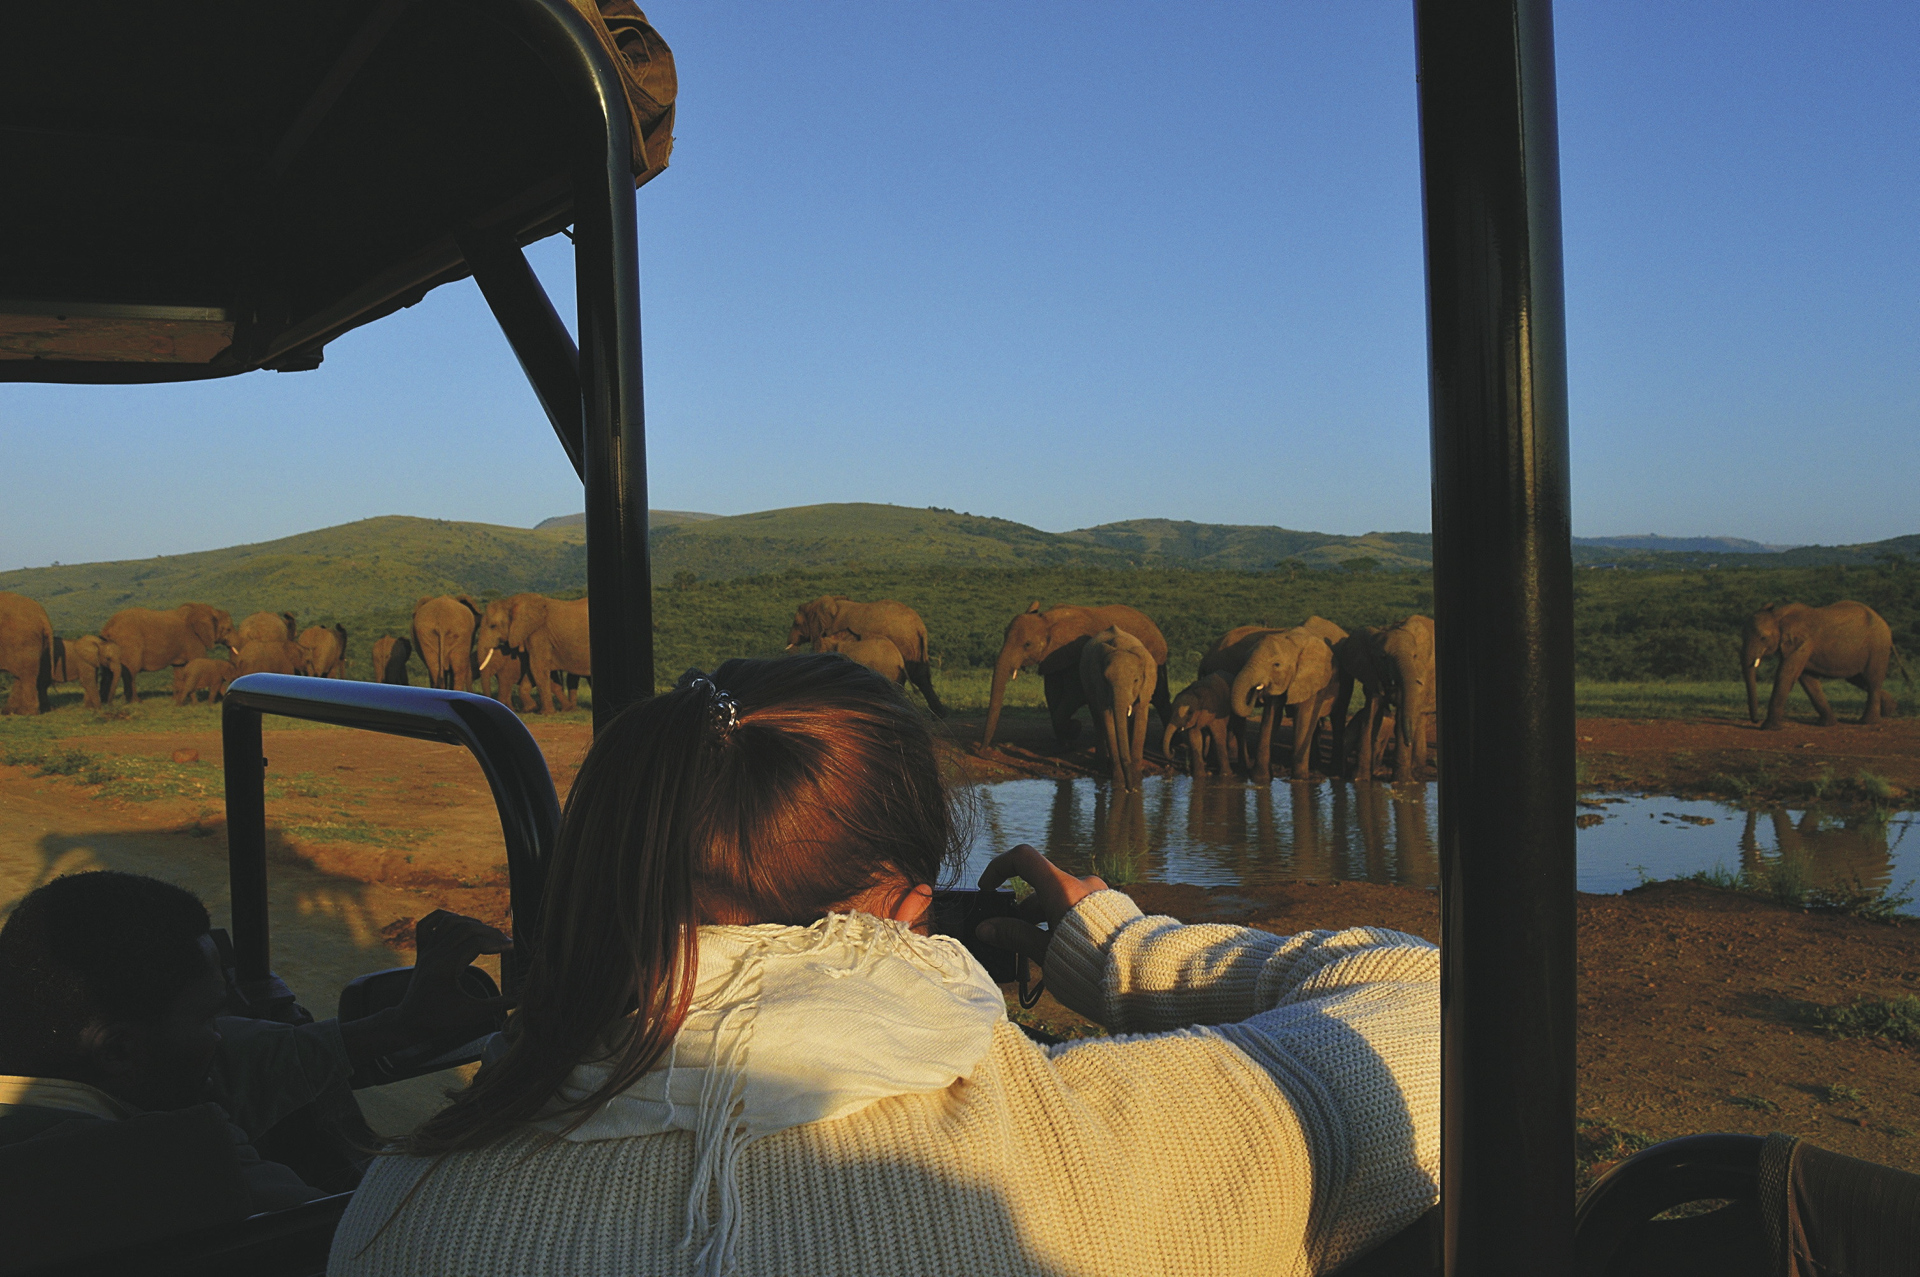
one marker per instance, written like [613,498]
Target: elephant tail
[55,655]
[1906,675]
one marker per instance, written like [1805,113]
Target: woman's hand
[1054,892]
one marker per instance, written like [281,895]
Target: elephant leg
[1064,698]
[1815,693]
[1263,752]
[1218,729]
[1342,699]
[1113,726]
[920,674]
[1783,680]
[1196,753]
[1871,686]
[1369,724]
[1306,724]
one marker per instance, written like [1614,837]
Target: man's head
[111,979]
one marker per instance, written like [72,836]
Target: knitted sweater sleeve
[1346,1023]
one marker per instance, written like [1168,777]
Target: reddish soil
[1694,1003]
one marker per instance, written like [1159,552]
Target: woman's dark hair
[825,785]
[92,947]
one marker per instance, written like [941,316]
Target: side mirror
[380,990]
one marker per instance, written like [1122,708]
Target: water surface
[1221,834]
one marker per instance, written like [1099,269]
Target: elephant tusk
[1014,675]
[485,659]
[791,646]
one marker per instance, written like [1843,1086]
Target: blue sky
[1067,264]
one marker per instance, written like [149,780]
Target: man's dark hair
[93,947]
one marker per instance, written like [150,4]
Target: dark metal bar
[246,778]
[539,339]
[1503,596]
[516,772]
[607,273]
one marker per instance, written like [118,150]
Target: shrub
[1894,1019]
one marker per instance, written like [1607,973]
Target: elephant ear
[470,605]
[1312,672]
[201,623]
[528,614]
[422,601]
[1033,608]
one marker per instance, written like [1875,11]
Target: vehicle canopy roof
[201,190]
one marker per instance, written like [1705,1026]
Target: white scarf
[791,1025]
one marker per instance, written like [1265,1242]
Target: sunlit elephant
[205,675]
[27,651]
[1291,671]
[270,658]
[1117,677]
[267,627]
[1229,655]
[1204,711]
[90,661]
[1050,641]
[326,650]
[153,640]
[885,619]
[1842,640]
[503,676]
[390,660]
[443,636]
[1395,666]
[552,632]
[877,654]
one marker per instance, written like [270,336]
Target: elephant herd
[1113,661]
[528,647]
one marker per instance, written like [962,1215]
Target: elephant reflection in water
[1391,828]
[1121,845]
[1830,851]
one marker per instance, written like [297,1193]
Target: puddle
[1215,834]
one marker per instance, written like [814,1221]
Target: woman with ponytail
[738,1051]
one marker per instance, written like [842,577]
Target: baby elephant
[90,661]
[204,675]
[267,657]
[390,660]
[877,654]
[1203,711]
[1117,675]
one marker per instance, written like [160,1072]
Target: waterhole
[1215,834]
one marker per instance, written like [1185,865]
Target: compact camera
[959,910]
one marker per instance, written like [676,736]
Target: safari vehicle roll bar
[516,772]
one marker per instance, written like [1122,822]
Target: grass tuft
[1894,1019]
[1759,1103]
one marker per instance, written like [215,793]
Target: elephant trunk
[1750,670]
[1003,672]
[1245,683]
[1166,738]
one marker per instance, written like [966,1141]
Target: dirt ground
[1694,1003]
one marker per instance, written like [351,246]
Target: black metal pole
[1503,607]
[539,339]
[607,274]
[246,770]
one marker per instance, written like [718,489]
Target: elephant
[1290,670]
[1203,710]
[443,635]
[28,651]
[1395,666]
[1229,654]
[885,619]
[90,661]
[326,650]
[269,627]
[390,660]
[153,640]
[553,633]
[1842,640]
[506,670]
[261,657]
[1051,641]
[877,654]
[204,675]
[1117,677]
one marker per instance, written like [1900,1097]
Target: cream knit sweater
[1298,1130]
